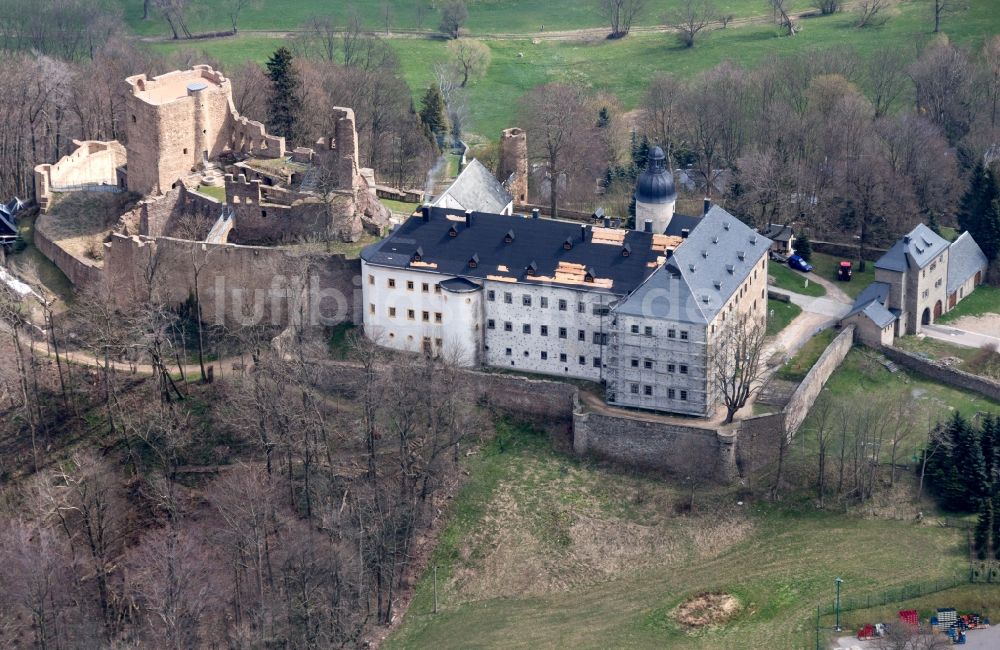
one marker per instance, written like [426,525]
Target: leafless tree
[470,58]
[175,13]
[234,9]
[991,57]
[620,15]
[885,74]
[827,7]
[661,107]
[690,18]
[453,16]
[781,16]
[737,364]
[873,13]
[386,15]
[420,11]
[940,8]
[903,636]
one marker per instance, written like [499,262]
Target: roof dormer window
[418,255]
[532,268]
[589,275]
[474,261]
[509,237]
[626,250]
[453,231]
[568,244]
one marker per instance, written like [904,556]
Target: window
[438,342]
[684,335]
[671,333]
[425,316]
[635,329]
[648,331]
[562,357]
[185,152]
[671,367]
[562,305]
[425,288]
[597,362]
[371,308]
[581,335]
[543,302]
[508,352]
[507,327]
[133,119]
[600,338]
[371,279]
[671,393]
[526,329]
[545,355]
[635,363]
[508,298]
[634,389]
[583,360]
[391,283]
[392,312]
[600,310]
[526,300]
[263,213]
[647,364]
[684,395]
[581,308]
[437,317]
[409,285]
[543,330]
[647,390]
[562,332]
[437,289]
[491,295]
[684,369]
[491,324]
[410,314]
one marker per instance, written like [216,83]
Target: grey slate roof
[703,273]
[8,217]
[460,285]
[878,314]
[919,248]
[538,242]
[778,232]
[871,303]
[964,259]
[477,189]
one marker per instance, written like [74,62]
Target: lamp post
[839,581]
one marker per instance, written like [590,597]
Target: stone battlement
[91,164]
[175,85]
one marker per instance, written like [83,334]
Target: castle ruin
[513,171]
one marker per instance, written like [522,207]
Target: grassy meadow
[622,68]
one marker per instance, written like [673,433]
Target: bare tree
[885,74]
[386,15]
[175,13]
[420,10]
[737,365]
[234,9]
[827,7]
[781,16]
[873,13]
[453,16]
[940,8]
[620,15]
[661,107]
[470,58]
[690,18]
[991,57]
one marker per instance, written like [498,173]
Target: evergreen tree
[803,247]
[432,112]
[285,105]
[979,211]
[640,152]
[943,475]
[932,223]
[984,526]
[988,437]
[603,118]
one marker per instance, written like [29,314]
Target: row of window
[411,314]
[671,367]
[425,287]
[544,356]
[543,302]
[647,390]
[672,333]
[598,338]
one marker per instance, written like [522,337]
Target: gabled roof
[875,291]
[778,232]
[477,189]
[561,252]
[703,273]
[871,304]
[965,258]
[917,249]
[878,314]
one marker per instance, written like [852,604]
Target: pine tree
[284,106]
[984,526]
[979,211]
[988,437]
[603,118]
[803,246]
[432,111]
[943,475]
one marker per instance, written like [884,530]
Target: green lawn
[780,314]
[351,250]
[216,192]
[31,263]
[826,266]
[623,67]
[975,361]
[807,356]
[984,300]
[543,551]
[789,280]
[400,207]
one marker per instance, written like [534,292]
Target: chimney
[583,232]
[425,212]
[468,218]
[535,213]
[647,226]
[670,253]
[685,232]
[906,239]
[607,222]
[707,206]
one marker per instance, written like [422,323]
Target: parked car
[845,271]
[799,264]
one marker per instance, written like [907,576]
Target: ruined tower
[513,170]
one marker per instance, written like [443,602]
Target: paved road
[960,337]
[982,639]
[824,306]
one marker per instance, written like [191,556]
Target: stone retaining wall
[805,395]
[82,273]
[950,376]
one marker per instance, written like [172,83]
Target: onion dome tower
[655,196]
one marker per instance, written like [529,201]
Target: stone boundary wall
[805,395]
[847,251]
[92,163]
[82,273]
[951,376]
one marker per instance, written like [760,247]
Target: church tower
[655,195]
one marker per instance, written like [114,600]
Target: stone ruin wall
[514,160]
[91,163]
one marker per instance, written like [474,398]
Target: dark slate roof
[7,227]
[703,273]
[878,314]
[875,291]
[871,303]
[477,189]
[11,208]
[537,242]
[681,222]
[964,259]
[919,248]
[778,232]
[656,183]
[460,285]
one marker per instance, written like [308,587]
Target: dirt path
[833,292]
[986,324]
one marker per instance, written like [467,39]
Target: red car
[845,272]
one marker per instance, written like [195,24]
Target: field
[544,551]
[803,361]
[622,67]
[826,266]
[984,300]
[783,314]
[789,280]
